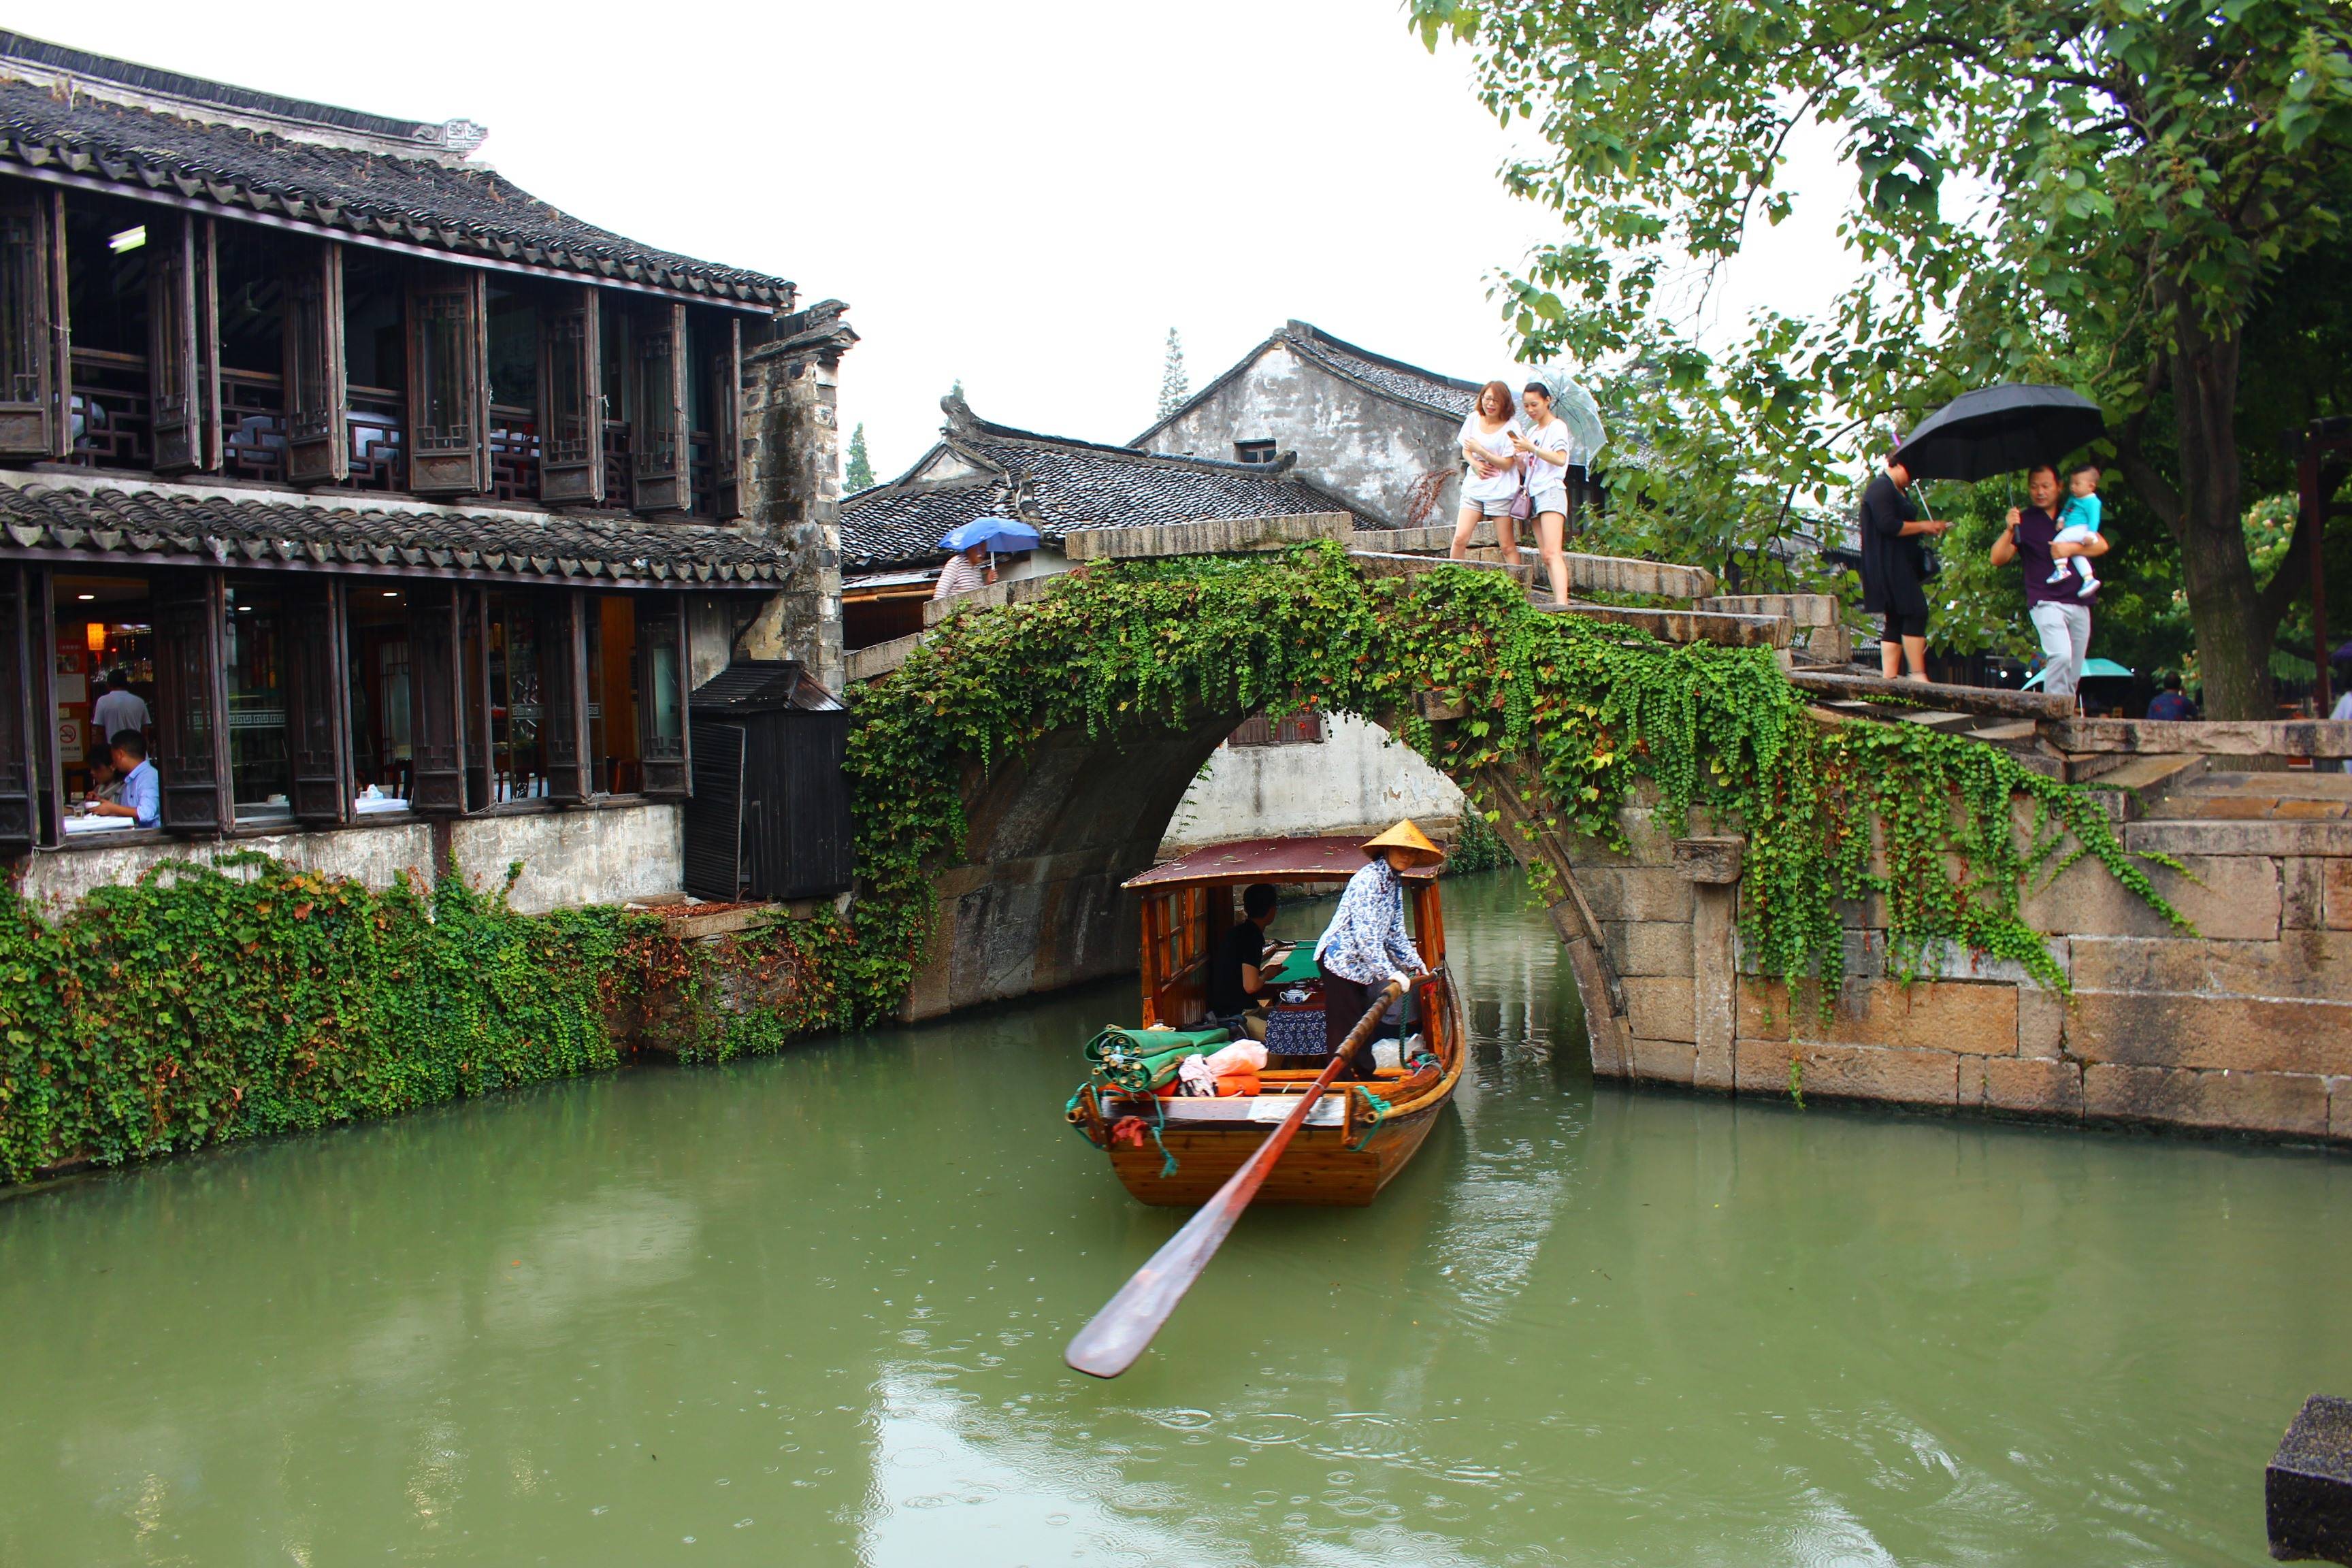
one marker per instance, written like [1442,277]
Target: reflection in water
[811,1310]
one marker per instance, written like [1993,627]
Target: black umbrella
[1999,430]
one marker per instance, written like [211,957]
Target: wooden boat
[1360,1134]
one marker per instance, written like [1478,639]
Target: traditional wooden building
[891,532]
[398,495]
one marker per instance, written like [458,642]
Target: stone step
[1687,625]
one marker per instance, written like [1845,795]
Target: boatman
[1366,946]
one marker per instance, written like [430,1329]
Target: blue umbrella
[996,532]
[2092,668]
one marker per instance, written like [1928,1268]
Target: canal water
[810,1310]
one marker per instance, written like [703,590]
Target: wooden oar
[1109,1344]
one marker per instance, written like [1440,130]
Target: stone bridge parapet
[2246,1027]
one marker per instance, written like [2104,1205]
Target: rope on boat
[1380,1113]
[1159,1121]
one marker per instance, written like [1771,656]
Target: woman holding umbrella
[1895,569]
[969,565]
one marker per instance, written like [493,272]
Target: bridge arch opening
[1034,903]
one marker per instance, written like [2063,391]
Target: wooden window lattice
[1298,730]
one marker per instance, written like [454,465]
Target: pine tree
[1174,387]
[859,474]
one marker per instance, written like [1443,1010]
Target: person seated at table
[105,783]
[143,792]
[1238,986]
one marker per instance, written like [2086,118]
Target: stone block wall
[597,855]
[791,483]
[2245,1026]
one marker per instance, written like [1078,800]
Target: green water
[811,1310]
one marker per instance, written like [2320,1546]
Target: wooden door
[659,433]
[191,701]
[714,815]
[563,695]
[318,395]
[662,737]
[727,420]
[317,685]
[571,402]
[436,737]
[448,382]
[175,396]
[30,384]
[20,771]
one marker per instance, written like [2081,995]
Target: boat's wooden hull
[1317,1168]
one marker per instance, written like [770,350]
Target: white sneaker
[2061,574]
[2090,586]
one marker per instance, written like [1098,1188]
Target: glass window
[106,242]
[104,628]
[378,653]
[612,695]
[377,369]
[252,283]
[518,763]
[260,772]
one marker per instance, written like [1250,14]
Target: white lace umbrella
[1575,406]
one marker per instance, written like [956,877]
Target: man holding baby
[2055,545]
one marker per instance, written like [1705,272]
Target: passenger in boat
[1237,990]
[1365,944]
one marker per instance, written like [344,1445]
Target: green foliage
[205,1002]
[2131,197]
[1175,386]
[1476,847]
[858,473]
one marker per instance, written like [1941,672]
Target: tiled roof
[182,139]
[230,528]
[899,523]
[1058,485]
[1389,378]
[1438,394]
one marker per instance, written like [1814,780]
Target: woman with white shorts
[1492,478]
[1544,450]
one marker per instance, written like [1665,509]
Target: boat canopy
[1333,859]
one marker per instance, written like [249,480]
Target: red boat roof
[1266,860]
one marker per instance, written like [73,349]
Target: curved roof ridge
[986,429]
[422,137]
[1314,333]
[401,183]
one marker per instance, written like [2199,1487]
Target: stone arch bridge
[2149,1034]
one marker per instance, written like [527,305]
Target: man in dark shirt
[2171,704]
[1236,988]
[1894,570]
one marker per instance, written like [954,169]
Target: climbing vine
[245,997]
[1947,832]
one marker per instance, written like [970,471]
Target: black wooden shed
[769,818]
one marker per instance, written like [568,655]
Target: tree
[1174,387]
[859,474]
[2108,194]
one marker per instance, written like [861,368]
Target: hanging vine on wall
[205,1004]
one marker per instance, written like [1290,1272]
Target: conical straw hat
[1405,836]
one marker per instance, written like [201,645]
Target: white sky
[1024,194]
